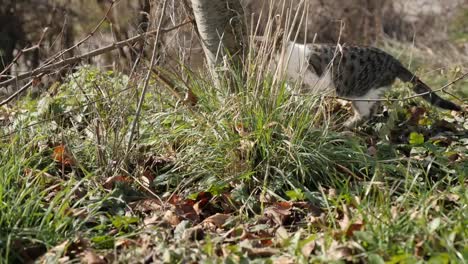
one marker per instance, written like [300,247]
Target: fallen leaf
[171,218]
[349,225]
[418,249]
[355,226]
[90,257]
[308,248]
[174,199]
[416,114]
[62,155]
[124,243]
[217,220]
[111,181]
[186,211]
[279,212]
[28,252]
[452,197]
[146,205]
[264,252]
[67,249]
[284,260]
[338,252]
[190,98]
[372,151]
[282,233]
[152,220]
[147,178]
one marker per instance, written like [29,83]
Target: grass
[393,191]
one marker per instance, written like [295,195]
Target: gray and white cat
[356,73]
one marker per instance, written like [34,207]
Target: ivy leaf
[295,195]
[416,139]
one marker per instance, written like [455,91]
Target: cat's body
[356,73]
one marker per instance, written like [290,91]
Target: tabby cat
[352,72]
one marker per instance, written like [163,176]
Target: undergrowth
[66,174]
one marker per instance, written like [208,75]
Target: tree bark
[222,29]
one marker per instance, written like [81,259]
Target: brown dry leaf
[372,151]
[264,252]
[308,248]
[190,98]
[419,249]
[338,252]
[349,226]
[174,199]
[146,205]
[284,260]
[63,156]
[186,211]
[171,218]
[279,212]
[452,197]
[355,226]
[332,193]
[241,130]
[454,157]
[217,220]
[28,253]
[111,181]
[67,250]
[416,114]
[91,257]
[124,243]
[152,220]
[147,178]
[36,81]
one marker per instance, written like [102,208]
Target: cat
[352,72]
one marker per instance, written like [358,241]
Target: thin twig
[22,89]
[25,50]
[147,78]
[127,88]
[51,67]
[91,34]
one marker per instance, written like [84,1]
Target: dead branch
[45,69]
[25,50]
[146,80]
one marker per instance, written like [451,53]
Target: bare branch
[23,51]
[45,69]
[147,78]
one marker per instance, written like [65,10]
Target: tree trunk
[222,30]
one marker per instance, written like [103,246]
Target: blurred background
[438,27]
